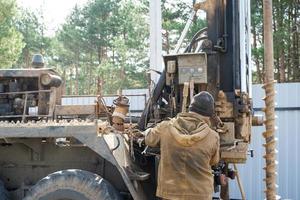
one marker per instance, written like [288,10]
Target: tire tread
[92,186]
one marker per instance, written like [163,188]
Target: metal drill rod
[270,145]
[185,30]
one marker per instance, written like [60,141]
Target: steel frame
[84,131]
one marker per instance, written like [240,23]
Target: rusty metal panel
[192,67]
[288,146]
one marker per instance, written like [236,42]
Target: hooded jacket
[188,150]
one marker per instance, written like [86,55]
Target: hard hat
[203,104]
[37,61]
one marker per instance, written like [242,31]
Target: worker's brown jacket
[188,149]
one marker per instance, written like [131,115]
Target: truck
[53,151]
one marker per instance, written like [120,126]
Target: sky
[54,11]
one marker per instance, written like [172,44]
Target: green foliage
[10,39]
[10,47]
[8,8]
[102,46]
[101,22]
[286,41]
[30,26]
[175,15]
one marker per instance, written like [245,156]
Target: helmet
[37,61]
[203,104]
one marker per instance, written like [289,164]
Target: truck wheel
[3,192]
[73,184]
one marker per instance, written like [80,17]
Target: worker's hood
[189,128]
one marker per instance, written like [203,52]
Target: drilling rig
[54,151]
[217,60]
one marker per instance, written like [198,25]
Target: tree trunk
[281,52]
[263,58]
[99,54]
[122,73]
[71,81]
[282,67]
[99,86]
[276,50]
[76,79]
[296,56]
[288,60]
[64,82]
[27,58]
[256,57]
[90,73]
[167,42]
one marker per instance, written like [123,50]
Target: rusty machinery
[26,93]
[217,60]
[31,94]
[39,136]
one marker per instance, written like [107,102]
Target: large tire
[4,195]
[73,185]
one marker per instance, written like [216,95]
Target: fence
[137,98]
[288,157]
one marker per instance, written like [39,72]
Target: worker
[188,149]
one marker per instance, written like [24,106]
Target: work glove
[139,136]
[136,134]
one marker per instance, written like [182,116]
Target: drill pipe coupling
[122,107]
[120,112]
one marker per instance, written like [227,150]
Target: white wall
[288,134]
